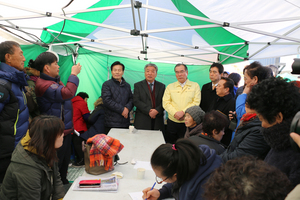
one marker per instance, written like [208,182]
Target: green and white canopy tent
[195,32]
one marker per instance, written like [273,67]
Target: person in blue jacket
[184,167]
[14,113]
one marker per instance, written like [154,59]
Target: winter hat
[196,113]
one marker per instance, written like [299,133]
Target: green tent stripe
[213,36]
[80,29]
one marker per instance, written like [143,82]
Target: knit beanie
[196,113]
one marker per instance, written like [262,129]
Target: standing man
[208,92]
[14,113]
[225,103]
[147,98]
[55,99]
[179,96]
[117,99]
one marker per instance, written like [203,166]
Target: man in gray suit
[147,98]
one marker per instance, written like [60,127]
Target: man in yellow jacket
[179,96]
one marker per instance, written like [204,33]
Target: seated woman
[33,171]
[184,167]
[193,119]
[248,139]
[213,126]
[95,121]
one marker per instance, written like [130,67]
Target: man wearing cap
[179,96]
[208,91]
[193,118]
[147,98]
[14,113]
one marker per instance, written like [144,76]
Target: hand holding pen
[151,193]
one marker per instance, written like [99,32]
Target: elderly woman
[276,102]
[193,119]
[213,126]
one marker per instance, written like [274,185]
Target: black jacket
[143,103]
[95,123]
[248,140]
[210,142]
[208,96]
[281,154]
[224,105]
[116,96]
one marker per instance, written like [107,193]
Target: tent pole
[132,8]
[97,9]
[180,28]
[146,25]
[274,41]
[183,14]
[264,33]
[233,53]
[265,21]
[68,18]
[194,47]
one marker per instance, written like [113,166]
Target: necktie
[151,87]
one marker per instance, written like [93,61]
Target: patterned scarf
[103,150]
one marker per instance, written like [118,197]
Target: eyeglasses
[160,180]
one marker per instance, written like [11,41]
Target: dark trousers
[64,154]
[174,131]
[4,163]
[77,142]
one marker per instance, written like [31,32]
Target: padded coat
[116,96]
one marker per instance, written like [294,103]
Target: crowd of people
[221,141]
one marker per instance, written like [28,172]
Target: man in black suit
[147,98]
[208,91]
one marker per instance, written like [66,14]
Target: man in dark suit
[208,91]
[147,98]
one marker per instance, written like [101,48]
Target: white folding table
[138,146]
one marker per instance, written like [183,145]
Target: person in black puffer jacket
[248,139]
[276,102]
[117,99]
[95,121]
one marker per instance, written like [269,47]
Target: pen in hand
[152,188]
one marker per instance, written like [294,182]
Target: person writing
[33,172]
[184,167]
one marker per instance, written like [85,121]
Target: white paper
[136,195]
[143,164]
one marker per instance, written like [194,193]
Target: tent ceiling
[189,31]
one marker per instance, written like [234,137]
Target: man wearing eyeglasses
[179,96]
